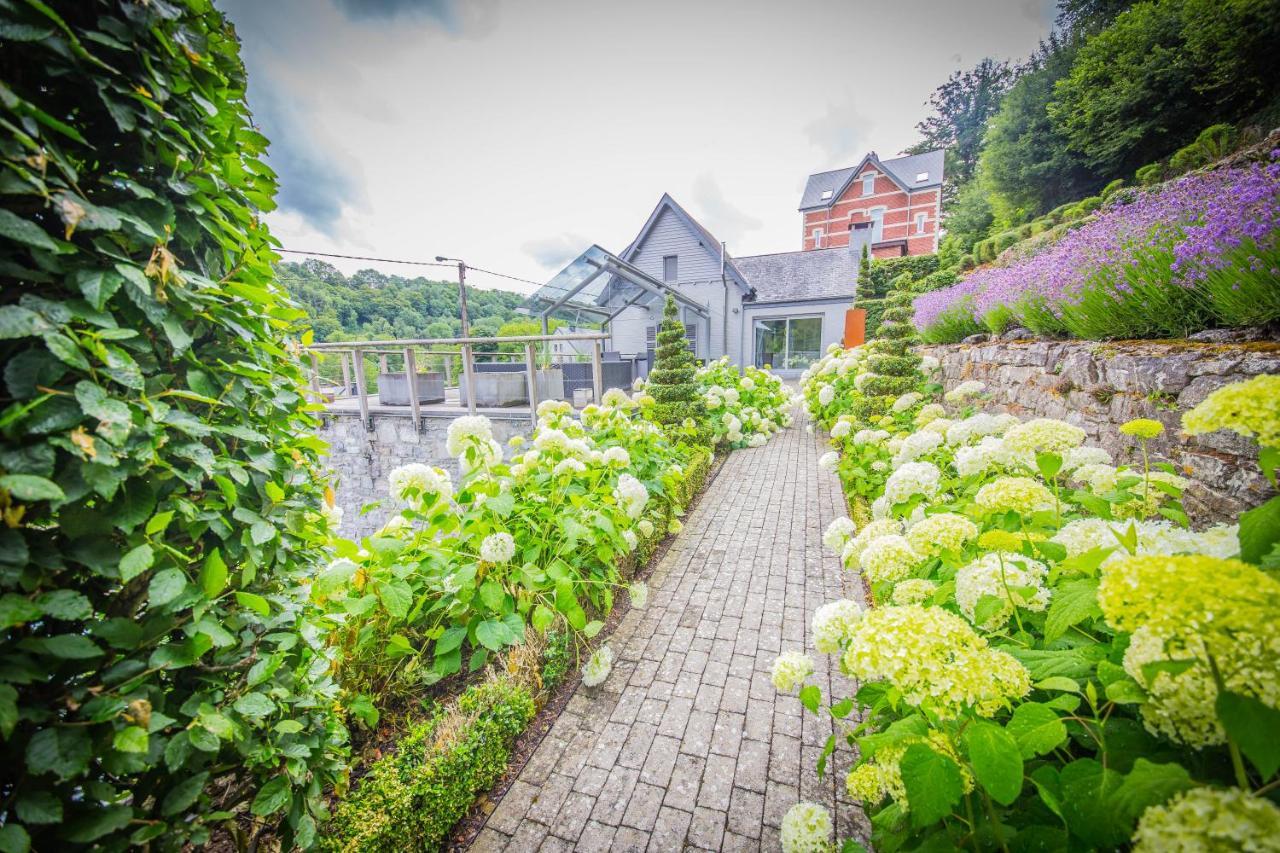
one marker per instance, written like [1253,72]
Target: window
[869,183]
[651,339]
[816,234]
[921,219]
[826,194]
[877,223]
[791,343]
[670,268]
[921,177]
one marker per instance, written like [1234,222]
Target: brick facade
[901,233]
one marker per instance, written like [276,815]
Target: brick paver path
[687,745]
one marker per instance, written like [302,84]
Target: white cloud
[721,218]
[554,252]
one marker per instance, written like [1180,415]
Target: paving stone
[687,745]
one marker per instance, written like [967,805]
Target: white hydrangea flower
[832,624]
[870,436]
[748,384]
[973,427]
[757,440]
[906,401]
[929,364]
[475,427]
[1044,435]
[862,379]
[425,479]
[395,524]
[806,828]
[854,547]
[645,526]
[945,531]
[1209,819]
[568,466]
[1085,534]
[826,394]
[840,429]
[929,413]
[618,399]
[498,548]
[991,453]
[630,538]
[618,456]
[1074,457]
[828,460]
[1001,574]
[632,495]
[913,478]
[639,594]
[838,533]
[637,384]
[598,666]
[916,445]
[963,391]
[550,439]
[790,669]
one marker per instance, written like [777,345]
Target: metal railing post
[468,377]
[315,377]
[531,369]
[411,373]
[346,373]
[357,358]
[597,370]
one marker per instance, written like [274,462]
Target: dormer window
[869,183]
[826,194]
[921,177]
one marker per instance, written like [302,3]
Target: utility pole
[468,370]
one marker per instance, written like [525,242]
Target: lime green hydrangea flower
[1184,609]
[1249,408]
[1208,820]
[1044,435]
[945,531]
[1021,494]
[1143,428]
[806,828]
[881,775]
[913,591]
[935,659]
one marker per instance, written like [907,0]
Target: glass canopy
[595,287]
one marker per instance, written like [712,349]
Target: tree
[962,106]
[671,382]
[1027,165]
[160,478]
[1088,16]
[864,269]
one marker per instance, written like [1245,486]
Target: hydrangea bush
[745,408]
[1200,251]
[1054,658]
[534,540]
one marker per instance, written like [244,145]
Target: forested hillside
[1120,91]
[370,305]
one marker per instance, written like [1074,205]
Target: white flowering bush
[745,408]
[536,537]
[1055,658]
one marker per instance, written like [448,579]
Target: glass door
[791,343]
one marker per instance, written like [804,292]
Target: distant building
[781,310]
[892,205]
[564,350]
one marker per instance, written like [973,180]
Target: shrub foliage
[157,478]
[672,380]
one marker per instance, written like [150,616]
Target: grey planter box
[393,388]
[511,388]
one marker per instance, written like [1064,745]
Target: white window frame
[868,184]
[786,320]
[921,219]
[816,236]
[877,234]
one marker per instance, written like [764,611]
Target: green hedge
[410,800]
[159,473]
[883,272]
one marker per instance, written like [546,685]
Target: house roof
[708,240]
[903,170]
[813,274]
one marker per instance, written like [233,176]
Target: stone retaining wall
[1099,386]
[361,459]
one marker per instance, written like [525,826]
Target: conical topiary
[671,382]
[896,367]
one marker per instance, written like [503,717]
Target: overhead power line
[408,263]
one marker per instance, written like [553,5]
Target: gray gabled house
[780,310]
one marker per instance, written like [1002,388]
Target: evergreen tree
[895,365]
[864,272]
[671,382]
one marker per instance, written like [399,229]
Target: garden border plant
[1082,669]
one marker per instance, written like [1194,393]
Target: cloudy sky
[514,134]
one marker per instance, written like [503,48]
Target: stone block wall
[362,459]
[1099,386]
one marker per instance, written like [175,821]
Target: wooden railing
[352,357]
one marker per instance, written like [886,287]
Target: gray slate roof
[902,169]
[815,274]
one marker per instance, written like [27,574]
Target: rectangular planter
[393,388]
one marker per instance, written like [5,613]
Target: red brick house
[894,205]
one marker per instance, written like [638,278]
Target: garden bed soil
[466,830]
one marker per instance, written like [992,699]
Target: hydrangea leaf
[1253,726]
[1036,729]
[996,760]
[933,784]
[1072,603]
